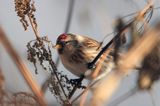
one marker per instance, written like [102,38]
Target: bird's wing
[91,43]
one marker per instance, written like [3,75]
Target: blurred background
[93,18]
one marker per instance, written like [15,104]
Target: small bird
[76,51]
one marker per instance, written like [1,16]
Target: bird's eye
[62,37]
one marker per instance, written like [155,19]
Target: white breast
[76,69]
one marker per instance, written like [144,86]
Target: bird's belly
[74,68]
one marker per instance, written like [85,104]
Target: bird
[76,51]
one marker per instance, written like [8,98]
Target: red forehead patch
[62,36]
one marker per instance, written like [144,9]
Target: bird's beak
[57,46]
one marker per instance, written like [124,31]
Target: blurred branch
[140,16]
[91,64]
[69,15]
[22,68]
[95,76]
[99,64]
[142,13]
[130,59]
[123,97]
[68,21]
[96,79]
[2,86]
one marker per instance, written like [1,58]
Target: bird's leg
[77,84]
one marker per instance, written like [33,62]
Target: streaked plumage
[77,51]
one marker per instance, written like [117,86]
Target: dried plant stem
[69,15]
[94,75]
[95,81]
[99,64]
[152,97]
[86,90]
[51,62]
[33,27]
[54,70]
[145,9]
[22,68]
[135,54]
[84,97]
[123,97]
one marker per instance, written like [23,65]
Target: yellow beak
[57,46]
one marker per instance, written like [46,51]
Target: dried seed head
[24,99]
[39,51]
[25,8]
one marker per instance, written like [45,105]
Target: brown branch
[142,13]
[33,27]
[83,99]
[130,59]
[22,68]
[100,63]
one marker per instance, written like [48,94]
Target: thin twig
[142,13]
[69,15]
[100,63]
[91,64]
[84,97]
[68,22]
[88,87]
[22,68]
[33,27]
[54,70]
[123,97]
[94,76]
[95,81]
[152,97]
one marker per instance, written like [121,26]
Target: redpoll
[76,51]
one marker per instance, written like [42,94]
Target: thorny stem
[33,27]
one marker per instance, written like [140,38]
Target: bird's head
[65,40]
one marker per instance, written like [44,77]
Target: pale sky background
[94,18]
